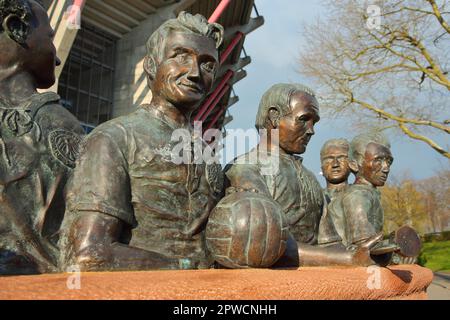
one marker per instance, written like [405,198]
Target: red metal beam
[210,99]
[215,102]
[216,118]
[231,46]
[79,3]
[219,10]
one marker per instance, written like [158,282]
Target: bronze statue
[291,110]
[335,166]
[38,141]
[360,204]
[356,212]
[130,206]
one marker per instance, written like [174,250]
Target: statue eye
[302,120]
[209,66]
[182,57]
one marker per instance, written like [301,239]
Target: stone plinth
[397,282]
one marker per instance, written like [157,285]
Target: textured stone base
[398,282]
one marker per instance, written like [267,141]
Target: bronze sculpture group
[115,200]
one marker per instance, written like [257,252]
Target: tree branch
[439,78]
[434,66]
[428,141]
[389,69]
[398,119]
[438,15]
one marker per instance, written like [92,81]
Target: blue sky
[274,49]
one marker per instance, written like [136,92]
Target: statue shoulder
[312,182]
[357,196]
[311,177]
[62,132]
[54,116]
[244,173]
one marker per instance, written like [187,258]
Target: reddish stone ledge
[398,282]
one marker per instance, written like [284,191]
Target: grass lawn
[436,255]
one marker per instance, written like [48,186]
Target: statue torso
[293,186]
[358,213]
[38,145]
[159,200]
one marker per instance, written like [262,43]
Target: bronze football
[246,230]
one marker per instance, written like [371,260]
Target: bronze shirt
[360,212]
[39,142]
[292,186]
[125,170]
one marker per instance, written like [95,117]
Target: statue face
[41,53]
[376,165]
[335,164]
[297,127]
[187,71]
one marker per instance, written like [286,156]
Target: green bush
[435,255]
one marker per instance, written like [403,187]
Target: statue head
[182,59]
[293,110]
[334,161]
[371,158]
[26,41]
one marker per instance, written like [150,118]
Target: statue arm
[305,255]
[99,211]
[94,237]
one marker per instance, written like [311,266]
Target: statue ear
[16,29]
[150,67]
[353,165]
[274,117]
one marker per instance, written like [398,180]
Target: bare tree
[387,71]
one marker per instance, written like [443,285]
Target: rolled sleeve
[100,180]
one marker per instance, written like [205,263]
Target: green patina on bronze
[130,207]
[288,112]
[38,142]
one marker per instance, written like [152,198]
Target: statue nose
[194,72]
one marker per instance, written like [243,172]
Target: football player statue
[272,185]
[130,206]
[39,141]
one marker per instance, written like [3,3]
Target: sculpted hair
[343,143]
[359,144]
[279,96]
[187,23]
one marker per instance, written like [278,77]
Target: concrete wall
[130,83]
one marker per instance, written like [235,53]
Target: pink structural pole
[216,118]
[216,101]
[74,14]
[231,46]
[207,103]
[78,3]
[219,10]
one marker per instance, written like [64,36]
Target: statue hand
[360,254]
[399,259]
